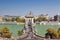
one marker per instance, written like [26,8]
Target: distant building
[59,18]
[56,18]
[42,15]
[1,18]
[51,18]
[22,17]
[7,17]
[29,16]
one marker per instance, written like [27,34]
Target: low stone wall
[51,39]
[25,39]
[11,23]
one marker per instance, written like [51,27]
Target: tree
[44,19]
[41,19]
[13,19]
[55,17]
[20,33]
[6,32]
[51,33]
[34,20]
[20,19]
[58,31]
[17,19]
[0,32]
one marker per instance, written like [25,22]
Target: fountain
[29,31]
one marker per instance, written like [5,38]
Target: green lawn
[13,28]
[40,29]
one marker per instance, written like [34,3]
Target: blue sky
[22,7]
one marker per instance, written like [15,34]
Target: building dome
[30,15]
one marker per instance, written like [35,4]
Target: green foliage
[20,33]
[6,32]
[13,19]
[41,19]
[58,31]
[34,20]
[20,19]
[54,33]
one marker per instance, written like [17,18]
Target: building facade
[1,18]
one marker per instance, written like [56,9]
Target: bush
[6,33]
[51,33]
